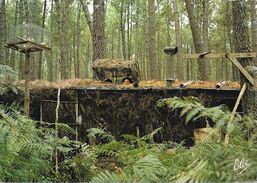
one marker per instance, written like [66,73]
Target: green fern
[25,150]
[95,134]
[192,109]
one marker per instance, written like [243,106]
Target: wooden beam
[27,79]
[241,94]
[202,55]
[241,68]
[218,55]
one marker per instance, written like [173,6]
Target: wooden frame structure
[27,46]
[233,58]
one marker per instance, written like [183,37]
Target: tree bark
[50,64]
[152,40]
[122,31]
[180,67]
[253,27]
[2,30]
[42,39]
[242,44]
[87,14]
[169,60]
[78,33]
[98,30]
[206,13]
[196,32]
[62,9]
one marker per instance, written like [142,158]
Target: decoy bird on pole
[170,50]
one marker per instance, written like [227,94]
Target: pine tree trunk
[78,30]
[42,39]
[99,29]
[2,30]
[152,40]
[128,32]
[50,64]
[122,31]
[254,27]
[242,44]
[62,9]
[198,44]
[206,12]
[180,67]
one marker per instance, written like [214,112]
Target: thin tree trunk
[180,67]
[50,64]
[206,12]
[236,74]
[169,60]
[198,44]
[62,9]
[128,31]
[152,40]
[2,30]
[78,30]
[122,31]
[42,39]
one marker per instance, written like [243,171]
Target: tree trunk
[152,40]
[2,30]
[129,27]
[196,32]
[99,29]
[254,27]
[180,67]
[42,39]
[206,12]
[50,64]
[242,44]
[169,60]
[122,31]
[87,14]
[62,9]
[235,72]
[78,33]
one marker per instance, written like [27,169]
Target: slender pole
[77,120]
[27,79]
[41,112]
[241,94]
[56,127]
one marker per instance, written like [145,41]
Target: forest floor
[80,83]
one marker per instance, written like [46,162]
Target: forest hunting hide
[116,69]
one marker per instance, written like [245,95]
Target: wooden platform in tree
[27,46]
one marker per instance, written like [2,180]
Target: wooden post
[56,127]
[234,110]
[41,112]
[241,68]
[77,119]
[27,79]
[138,136]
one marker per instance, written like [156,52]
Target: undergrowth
[27,150]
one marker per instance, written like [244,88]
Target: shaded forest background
[133,29]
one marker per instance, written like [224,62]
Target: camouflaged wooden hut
[116,71]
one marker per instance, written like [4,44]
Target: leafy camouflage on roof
[117,67]
[113,64]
